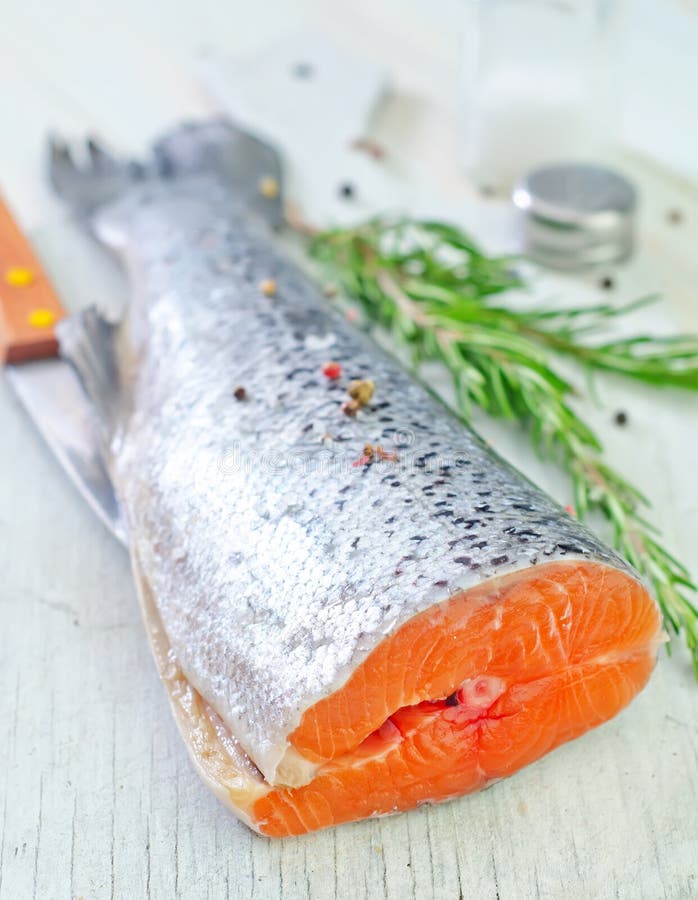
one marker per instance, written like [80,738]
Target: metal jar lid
[576,215]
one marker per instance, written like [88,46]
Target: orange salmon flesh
[465,693]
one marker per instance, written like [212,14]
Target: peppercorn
[332,370]
[268,287]
[240,393]
[361,390]
[268,187]
[621,418]
[386,455]
[370,147]
[351,407]
[303,70]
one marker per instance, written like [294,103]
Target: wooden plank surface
[97,796]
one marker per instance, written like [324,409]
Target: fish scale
[276,564]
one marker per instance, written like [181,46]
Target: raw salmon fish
[342,633]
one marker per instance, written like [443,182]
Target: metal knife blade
[50,392]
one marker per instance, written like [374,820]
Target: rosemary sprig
[430,285]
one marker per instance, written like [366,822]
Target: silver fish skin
[278,561]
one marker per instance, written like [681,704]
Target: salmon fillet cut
[341,634]
[503,674]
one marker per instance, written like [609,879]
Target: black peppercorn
[347,190]
[303,70]
[621,418]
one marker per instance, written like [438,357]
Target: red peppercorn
[387,455]
[332,370]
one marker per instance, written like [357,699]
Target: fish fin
[88,342]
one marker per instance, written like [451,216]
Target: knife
[47,386]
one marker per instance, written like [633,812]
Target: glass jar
[537,85]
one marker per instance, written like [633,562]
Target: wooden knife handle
[29,306]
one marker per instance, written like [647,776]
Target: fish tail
[87,187]
[88,342]
[249,168]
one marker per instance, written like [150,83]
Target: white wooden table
[97,796]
